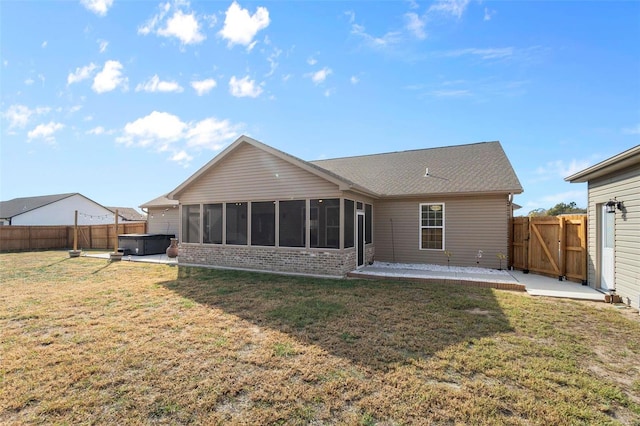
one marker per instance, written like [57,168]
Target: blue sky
[123,100]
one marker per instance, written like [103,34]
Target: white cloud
[210,133]
[488,14]
[240,27]
[354,79]
[96,131]
[203,87]
[109,78]
[488,53]
[165,132]
[99,7]
[244,87]
[320,76]
[19,115]
[312,61]
[103,44]
[577,196]
[155,85]
[44,44]
[450,7]
[389,39]
[81,73]
[75,108]
[29,81]
[182,25]
[182,158]
[45,132]
[561,168]
[632,130]
[415,25]
[451,93]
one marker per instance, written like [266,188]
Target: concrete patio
[535,285]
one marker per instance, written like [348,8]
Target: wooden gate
[551,245]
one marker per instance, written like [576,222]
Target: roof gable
[327,175]
[473,168]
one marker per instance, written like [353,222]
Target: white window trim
[420,227]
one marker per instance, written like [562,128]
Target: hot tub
[144,244]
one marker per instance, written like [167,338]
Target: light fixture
[611,206]
[614,204]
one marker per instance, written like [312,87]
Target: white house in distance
[58,209]
[162,216]
[614,224]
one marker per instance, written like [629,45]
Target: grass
[89,342]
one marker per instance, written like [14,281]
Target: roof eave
[453,194]
[613,164]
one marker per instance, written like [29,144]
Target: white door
[607,244]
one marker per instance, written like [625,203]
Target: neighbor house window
[236,223]
[191,224]
[432,226]
[292,223]
[212,224]
[349,220]
[324,226]
[263,223]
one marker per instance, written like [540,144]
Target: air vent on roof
[426,172]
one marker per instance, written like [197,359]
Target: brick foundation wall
[281,259]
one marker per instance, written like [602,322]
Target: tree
[563,208]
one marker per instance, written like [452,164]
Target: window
[212,224]
[325,223]
[432,226]
[191,224]
[368,223]
[263,223]
[236,223]
[349,218]
[292,223]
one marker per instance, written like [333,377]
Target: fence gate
[551,245]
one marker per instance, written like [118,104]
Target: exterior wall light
[614,204]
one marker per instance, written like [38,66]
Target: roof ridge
[401,152]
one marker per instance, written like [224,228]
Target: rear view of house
[614,224]
[256,207]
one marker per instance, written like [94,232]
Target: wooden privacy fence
[550,245]
[25,238]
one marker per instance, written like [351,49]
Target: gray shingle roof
[16,206]
[128,213]
[474,168]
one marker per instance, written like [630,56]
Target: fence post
[562,248]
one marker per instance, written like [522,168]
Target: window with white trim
[432,226]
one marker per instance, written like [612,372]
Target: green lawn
[90,342]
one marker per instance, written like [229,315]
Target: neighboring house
[128,214]
[614,224]
[256,207]
[56,209]
[162,216]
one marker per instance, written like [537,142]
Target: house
[614,224]
[256,207]
[128,214]
[57,209]
[162,216]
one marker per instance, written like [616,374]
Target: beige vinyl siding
[249,173]
[471,224]
[624,186]
[163,222]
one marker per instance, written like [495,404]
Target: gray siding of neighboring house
[623,185]
[163,221]
[472,223]
[251,174]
